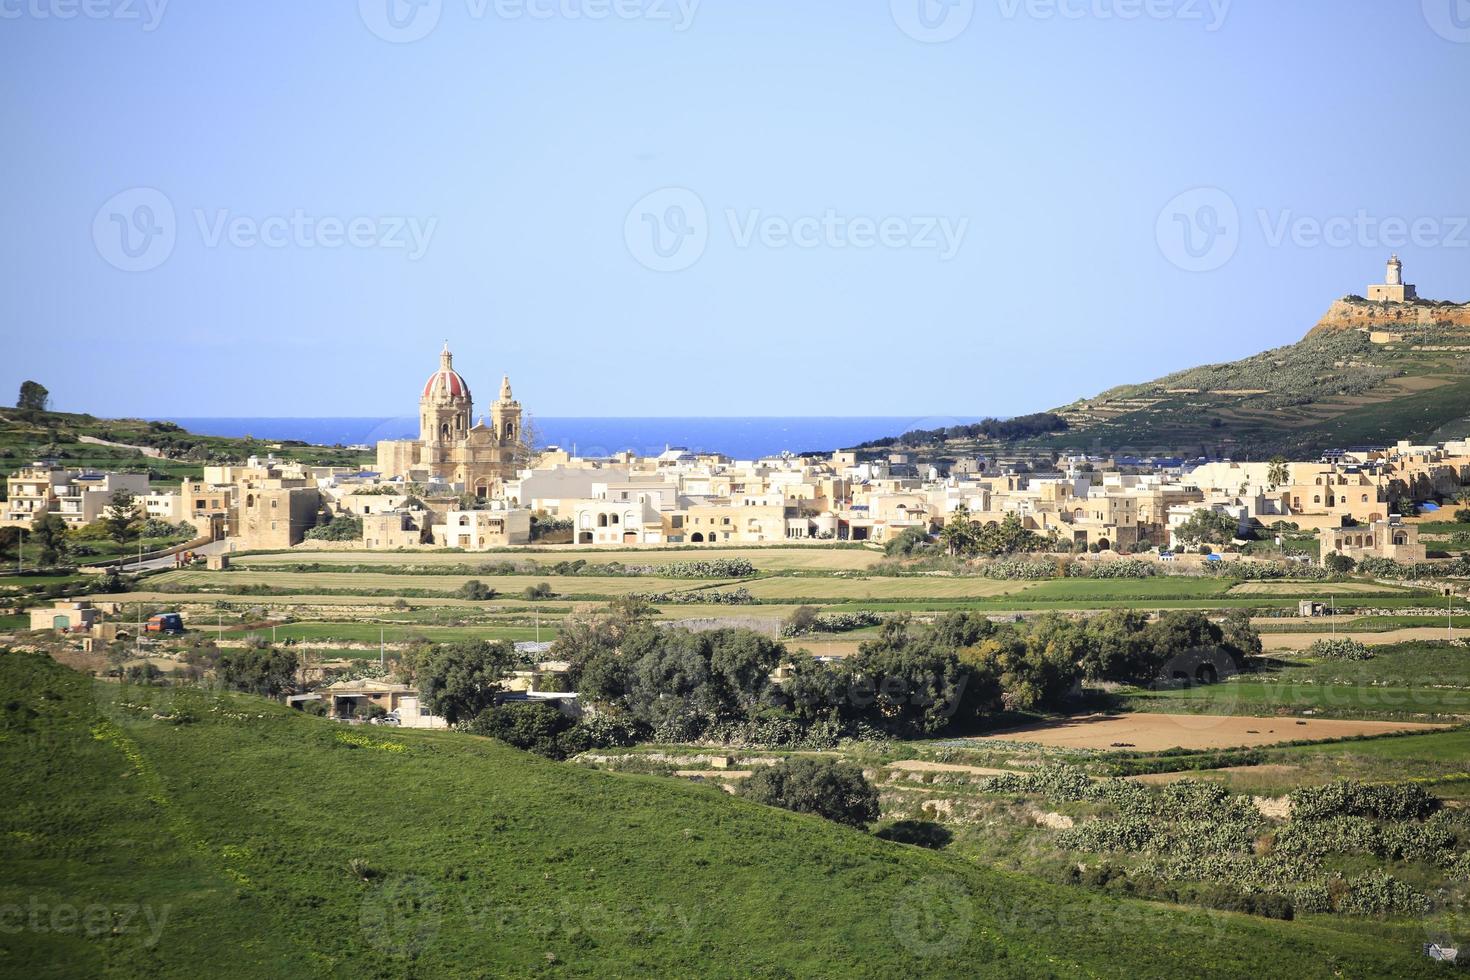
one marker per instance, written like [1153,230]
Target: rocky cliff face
[1356,313]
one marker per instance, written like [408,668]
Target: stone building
[1381,539]
[478,530]
[1393,289]
[450,447]
[275,513]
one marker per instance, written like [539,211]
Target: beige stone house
[478,530]
[1380,539]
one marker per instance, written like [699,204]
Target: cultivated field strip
[387,582]
[769,559]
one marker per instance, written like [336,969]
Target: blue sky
[656,207]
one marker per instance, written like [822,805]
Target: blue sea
[741,438]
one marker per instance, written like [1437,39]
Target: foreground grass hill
[174,832]
[1366,373]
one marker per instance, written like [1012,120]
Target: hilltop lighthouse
[1393,289]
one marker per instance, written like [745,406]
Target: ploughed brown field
[1150,732]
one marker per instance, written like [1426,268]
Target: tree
[535,727]
[910,542]
[265,671]
[1278,472]
[343,527]
[33,396]
[1208,527]
[48,533]
[1036,665]
[121,517]
[1116,648]
[476,590]
[1009,537]
[828,788]
[910,688]
[961,533]
[9,542]
[459,680]
[1339,564]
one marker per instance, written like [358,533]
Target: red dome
[446,380]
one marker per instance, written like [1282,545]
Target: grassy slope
[54,435]
[1330,389]
[241,826]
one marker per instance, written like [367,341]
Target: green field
[1399,680]
[508,585]
[240,832]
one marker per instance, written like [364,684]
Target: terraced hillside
[176,832]
[162,449]
[1366,373]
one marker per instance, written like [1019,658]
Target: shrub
[476,590]
[1348,797]
[828,788]
[535,727]
[1339,648]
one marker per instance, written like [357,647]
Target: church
[477,456]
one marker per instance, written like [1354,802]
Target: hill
[164,449]
[1366,373]
[175,832]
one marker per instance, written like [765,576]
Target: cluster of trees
[910,680]
[1208,527]
[1000,430]
[266,671]
[966,537]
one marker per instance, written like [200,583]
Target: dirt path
[1149,732]
[148,451]
[921,765]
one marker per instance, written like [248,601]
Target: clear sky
[730,207]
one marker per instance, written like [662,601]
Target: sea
[740,438]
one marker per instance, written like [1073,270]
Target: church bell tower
[445,406]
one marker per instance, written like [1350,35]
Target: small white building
[480,530]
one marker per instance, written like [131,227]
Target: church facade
[450,447]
